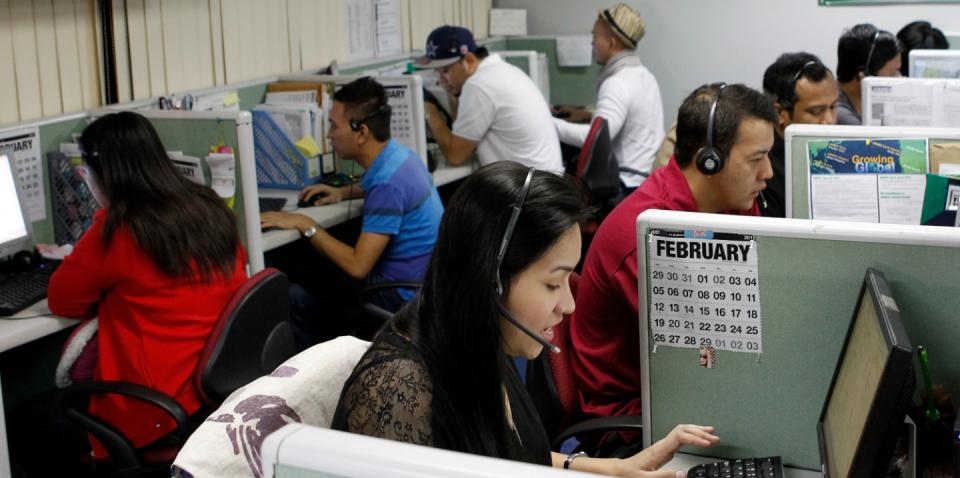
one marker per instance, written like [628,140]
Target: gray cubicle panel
[796,162]
[568,85]
[810,273]
[193,132]
[409,104]
[953,39]
[51,133]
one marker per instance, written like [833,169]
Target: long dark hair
[184,227]
[459,336]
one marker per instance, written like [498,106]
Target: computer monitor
[872,387]
[14,228]
[934,64]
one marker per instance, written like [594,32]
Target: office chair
[251,337]
[597,168]
[554,391]
[374,311]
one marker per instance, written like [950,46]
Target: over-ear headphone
[710,160]
[383,109]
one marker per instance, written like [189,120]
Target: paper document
[913,103]
[223,174]
[576,50]
[188,166]
[389,33]
[361,29]
[704,291]
[868,180]
[508,21]
[22,146]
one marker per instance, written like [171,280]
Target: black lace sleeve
[389,397]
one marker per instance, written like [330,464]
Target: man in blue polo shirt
[401,210]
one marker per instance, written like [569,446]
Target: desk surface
[16,331]
[683,461]
[333,214]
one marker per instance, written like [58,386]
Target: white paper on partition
[948,169]
[901,104]
[223,174]
[574,50]
[22,146]
[947,99]
[844,197]
[508,21]
[189,166]
[361,29]
[389,34]
[901,197]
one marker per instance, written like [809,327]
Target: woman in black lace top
[439,373]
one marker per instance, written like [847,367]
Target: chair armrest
[371,289]
[74,400]
[601,424]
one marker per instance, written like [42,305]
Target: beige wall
[164,46]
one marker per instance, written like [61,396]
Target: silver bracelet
[573,456]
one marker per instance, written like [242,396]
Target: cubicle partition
[194,133]
[943,144]
[807,276]
[898,101]
[568,85]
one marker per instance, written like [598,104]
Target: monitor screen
[872,387]
[13,227]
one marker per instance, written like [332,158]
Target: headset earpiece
[382,109]
[709,159]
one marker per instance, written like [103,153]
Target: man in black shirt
[803,91]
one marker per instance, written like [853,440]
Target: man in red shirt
[604,329]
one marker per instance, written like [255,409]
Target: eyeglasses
[873,46]
[511,225]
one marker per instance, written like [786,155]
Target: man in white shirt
[501,114]
[628,97]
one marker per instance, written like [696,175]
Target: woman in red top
[157,266]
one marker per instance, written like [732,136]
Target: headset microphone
[516,323]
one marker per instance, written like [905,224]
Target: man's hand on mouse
[286,220]
[324,194]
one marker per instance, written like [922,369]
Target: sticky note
[231,98]
[308,146]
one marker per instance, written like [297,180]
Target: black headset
[873,46]
[710,160]
[383,109]
[792,90]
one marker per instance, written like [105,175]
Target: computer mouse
[309,201]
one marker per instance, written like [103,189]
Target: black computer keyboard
[22,289]
[770,467]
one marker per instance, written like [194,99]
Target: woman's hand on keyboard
[646,463]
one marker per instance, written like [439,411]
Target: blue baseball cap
[446,45]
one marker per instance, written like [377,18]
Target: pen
[932,414]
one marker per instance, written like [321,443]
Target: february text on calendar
[704,290]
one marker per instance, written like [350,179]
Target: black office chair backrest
[251,338]
[597,166]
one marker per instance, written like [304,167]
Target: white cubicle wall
[910,102]
[303,451]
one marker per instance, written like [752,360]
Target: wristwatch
[311,232]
